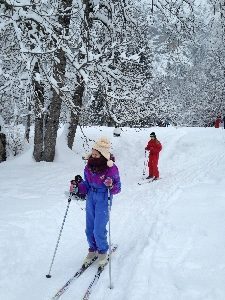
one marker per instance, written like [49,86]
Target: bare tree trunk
[54,110]
[78,95]
[28,123]
[2,147]
[38,128]
[74,118]
[59,74]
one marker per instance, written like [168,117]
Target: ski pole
[145,163]
[110,248]
[57,243]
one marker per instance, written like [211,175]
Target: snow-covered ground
[171,233]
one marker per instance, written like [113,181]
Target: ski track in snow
[156,258]
[146,244]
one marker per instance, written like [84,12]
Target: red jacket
[154,146]
[217,122]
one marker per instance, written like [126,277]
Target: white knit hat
[103,146]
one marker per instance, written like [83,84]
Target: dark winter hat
[152,134]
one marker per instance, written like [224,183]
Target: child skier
[154,147]
[100,174]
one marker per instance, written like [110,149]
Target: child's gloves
[74,184]
[80,196]
[78,179]
[73,187]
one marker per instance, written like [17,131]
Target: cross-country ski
[82,269]
[65,287]
[144,181]
[96,277]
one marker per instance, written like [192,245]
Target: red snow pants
[153,165]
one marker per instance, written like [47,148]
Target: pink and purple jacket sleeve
[114,174]
[96,180]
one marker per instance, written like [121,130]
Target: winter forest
[72,72]
[106,63]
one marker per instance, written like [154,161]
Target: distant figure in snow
[217,122]
[2,146]
[154,147]
[117,131]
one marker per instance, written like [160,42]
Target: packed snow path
[171,233]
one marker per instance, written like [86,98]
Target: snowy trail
[171,233]
[154,217]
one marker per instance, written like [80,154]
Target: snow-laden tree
[49,47]
[189,61]
[121,61]
[198,93]
[109,57]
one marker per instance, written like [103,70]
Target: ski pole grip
[108,190]
[109,198]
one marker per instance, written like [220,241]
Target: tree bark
[2,147]
[28,123]
[39,117]
[52,123]
[78,95]
[59,75]
[74,118]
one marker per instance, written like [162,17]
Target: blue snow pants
[97,217]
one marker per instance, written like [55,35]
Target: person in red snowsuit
[217,122]
[154,147]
